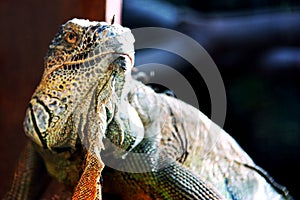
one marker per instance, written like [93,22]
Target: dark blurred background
[255,44]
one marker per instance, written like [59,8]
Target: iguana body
[88,111]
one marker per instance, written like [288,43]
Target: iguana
[87,112]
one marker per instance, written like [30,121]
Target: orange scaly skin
[88,185]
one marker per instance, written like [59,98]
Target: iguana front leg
[30,177]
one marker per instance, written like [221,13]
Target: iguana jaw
[50,116]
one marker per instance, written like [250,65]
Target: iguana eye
[71,37]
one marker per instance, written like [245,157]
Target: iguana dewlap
[87,112]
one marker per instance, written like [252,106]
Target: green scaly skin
[156,147]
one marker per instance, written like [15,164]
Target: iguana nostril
[64,100]
[37,121]
[41,115]
[29,128]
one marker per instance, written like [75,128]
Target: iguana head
[78,62]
